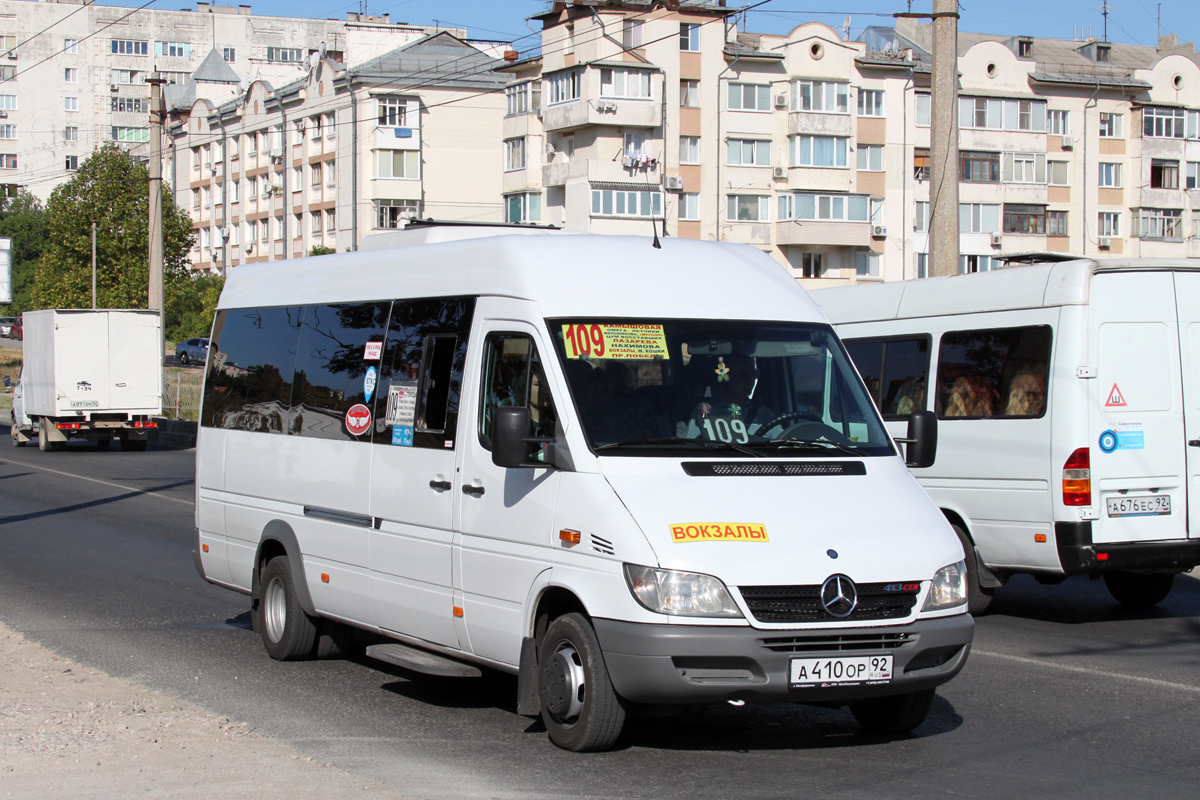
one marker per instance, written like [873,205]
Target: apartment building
[326,159]
[638,115]
[72,74]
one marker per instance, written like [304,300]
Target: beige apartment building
[638,116]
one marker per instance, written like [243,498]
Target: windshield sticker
[369,383]
[615,341]
[719,532]
[372,351]
[402,403]
[402,435]
[358,419]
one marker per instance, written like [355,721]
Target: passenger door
[1187,302]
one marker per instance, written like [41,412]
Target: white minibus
[1068,400]
[631,475]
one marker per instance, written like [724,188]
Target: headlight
[949,588]
[688,594]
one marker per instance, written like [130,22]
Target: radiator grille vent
[758,468]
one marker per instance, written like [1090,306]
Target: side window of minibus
[993,373]
[868,360]
[513,375]
[249,385]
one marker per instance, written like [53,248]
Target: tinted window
[514,376]
[999,372]
[249,383]
[896,372]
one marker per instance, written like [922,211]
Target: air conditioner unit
[779,172]
[1104,242]
[673,183]
[878,231]
[781,101]
[1066,142]
[12,55]
[3,115]
[112,87]
[276,159]
[997,240]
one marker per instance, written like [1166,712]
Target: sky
[1129,21]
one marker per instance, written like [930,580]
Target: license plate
[841,671]
[1141,506]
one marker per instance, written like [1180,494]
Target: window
[827,96]
[520,99]
[1059,122]
[234,191]
[1057,173]
[229,54]
[636,147]
[749,153]
[923,110]
[8,102]
[396,164]
[921,164]
[251,232]
[970,264]
[316,123]
[8,131]
[298,132]
[999,372]
[297,183]
[1163,122]
[1159,223]
[315,176]
[978,217]
[71,133]
[1193,174]
[631,33]
[866,265]
[331,126]
[819,151]
[285,54]
[131,104]
[1103,52]
[749,97]
[128,47]
[72,162]
[620,203]
[70,103]
[870,157]
[870,103]
[514,154]
[564,86]
[689,206]
[979,167]
[392,112]
[1020,218]
[689,94]
[921,216]
[173,49]
[8,161]
[173,77]
[1025,167]
[921,264]
[315,224]
[330,173]
[689,149]
[626,83]
[748,208]
[832,207]
[1024,48]
[70,46]
[389,213]
[997,114]
[523,207]
[514,376]
[8,72]
[811,266]
[1110,126]
[689,37]
[71,75]
[1056,223]
[1164,174]
[1109,176]
[124,76]
[1108,223]
[330,222]
[896,372]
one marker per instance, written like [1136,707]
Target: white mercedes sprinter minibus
[1068,400]
[627,474]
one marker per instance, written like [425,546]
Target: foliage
[321,250]
[191,300]
[23,218]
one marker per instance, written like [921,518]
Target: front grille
[876,601]
[707,469]
[838,643]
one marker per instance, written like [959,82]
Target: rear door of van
[1137,400]
[1187,303]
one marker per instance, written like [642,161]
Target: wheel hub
[275,609]
[563,683]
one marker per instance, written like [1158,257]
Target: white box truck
[89,374]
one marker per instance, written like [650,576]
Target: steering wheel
[817,429]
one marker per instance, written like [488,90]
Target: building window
[129,47]
[285,54]
[564,87]
[523,207]
[330,222]
[72,163]
[514,154]
[1193,174]
[748,208]
[870,103]
[921,216]
[130,104]
[689,37]
[618,203]
[234,191]
[331,126]
[978,217]
[749,153]
[8,160]
[8,102]
[520,99]
[70,46]
[1159,223]
[1021,218]
[1024,48]
[631,33]
[689,149]
[922,265]
[923,110]
[330,173]
[1108,223]
[124,76]
[1103,52]
[70,103]
[825,96]
[1110,126]
[71,75]
[71,133]
[392,111]
[819,151]
[314,175]
[870,157]
[1164,174]
[979,167]
[689,207]
[972,263]
[1025,167]
[1056,223]
[866,265]
[1166,123]
[298,132]
[173,77]
[8,131]
[830,207]
[749,97]
[229,54]
[8,72]
[390,213]
[921,164]
[396,164]
[997,114]
[1057,172]
[1109,176]
[1059,123]
[625,83]
[173,49]
[689,94]
[810,265]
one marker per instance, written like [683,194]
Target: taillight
[1077,479]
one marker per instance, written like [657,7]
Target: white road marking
[1100,673]
[104,483]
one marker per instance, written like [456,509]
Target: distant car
[18,330]
[193,351]
[6,325]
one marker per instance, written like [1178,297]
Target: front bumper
[710,664]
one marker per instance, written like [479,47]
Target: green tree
[191,299]
[110,189]
[24,220]
[321,250]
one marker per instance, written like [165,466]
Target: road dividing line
[104,483]
[1099,673]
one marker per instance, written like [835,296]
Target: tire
[979,599]
[183,358]
[580,708]
[1139,591]
[16,437]
[288,633]
[132,445]
[896,714]
[44,443]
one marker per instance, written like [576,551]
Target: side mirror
[921,440]
[511,439]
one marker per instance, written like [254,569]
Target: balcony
[606,171]
[604,111]
[818,232]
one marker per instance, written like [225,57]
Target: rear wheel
[44,443]
[1139,591]
[581,709]
[979,599]
[896,714]
[288,633]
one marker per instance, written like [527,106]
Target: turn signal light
[1040,538]
[1077,479]
[324,577]
[569,536]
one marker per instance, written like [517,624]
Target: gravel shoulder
[69,730]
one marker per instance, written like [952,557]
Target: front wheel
[896,714]
[16,436]
[288,633]
[183,358]
[581,709]
[1139,591]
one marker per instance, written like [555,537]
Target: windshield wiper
[806,444]
[703,444]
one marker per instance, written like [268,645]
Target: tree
[110,189]
[24,220]
[322,250]
[191,299]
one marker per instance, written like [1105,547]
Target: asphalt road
[1065,693]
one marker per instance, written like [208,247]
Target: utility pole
[93,266]
[943,142]
[157,113]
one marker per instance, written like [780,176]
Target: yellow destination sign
[615,341]
[719,532]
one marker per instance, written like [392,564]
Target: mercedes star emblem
[839,596]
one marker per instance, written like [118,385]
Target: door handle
[477,491]
[442,485]
[1193,442]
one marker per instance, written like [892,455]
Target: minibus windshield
[736,388]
